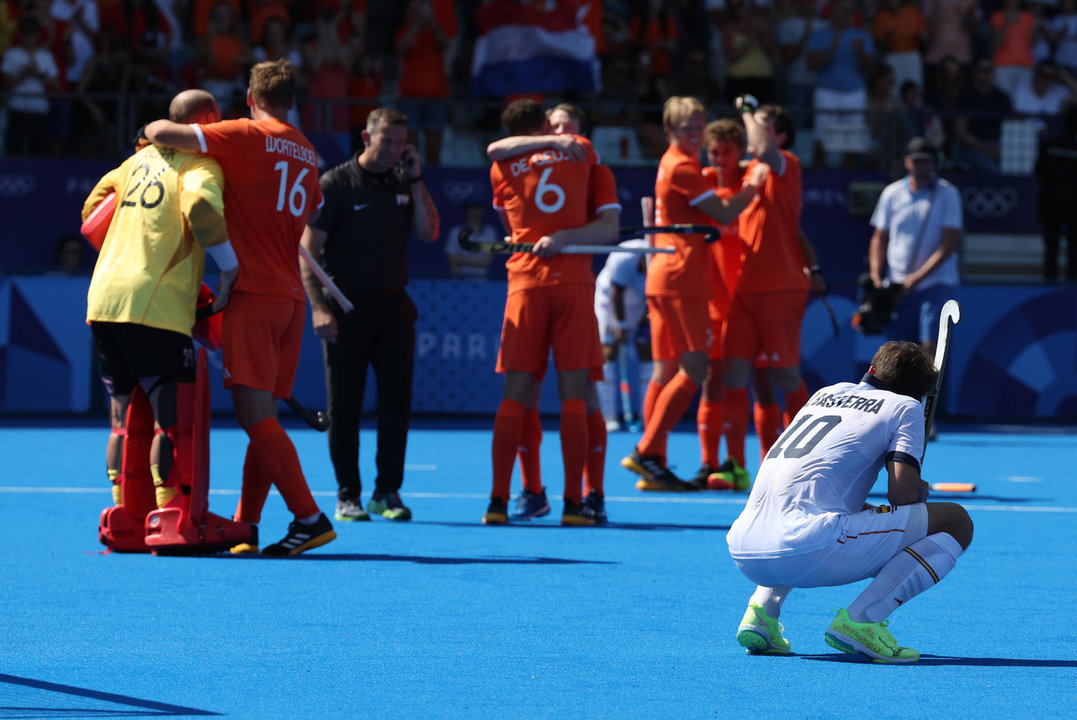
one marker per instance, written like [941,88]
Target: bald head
[194,106]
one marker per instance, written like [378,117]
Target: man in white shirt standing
[918,224]
[28,69]
[806,523]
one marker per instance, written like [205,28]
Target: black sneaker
[388,506]
[575,514]
[654,475]
[700,479]
[497,513]
[302,537]
[531,505]
[594,507]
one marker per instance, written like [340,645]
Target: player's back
[149,267]
[824,465]
[272,188]
[541,193]
[770,227]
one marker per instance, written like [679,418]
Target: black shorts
[128,354]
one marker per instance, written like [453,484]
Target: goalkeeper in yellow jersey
[141,302]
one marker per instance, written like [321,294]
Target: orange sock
[594,472]
[574,446]
[255,489]
[793,402]
[768,426]
[508,424]
[736,422]
[528,451]
[709,426]
[276,460]
[650,399]
[668,410]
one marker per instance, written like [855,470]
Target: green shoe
[870,638]
[760,634]
[730,476]
[389,507]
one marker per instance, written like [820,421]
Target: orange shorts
[678,325]
[765,328]
[262,338]
[561,317]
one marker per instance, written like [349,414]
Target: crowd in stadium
[867,74]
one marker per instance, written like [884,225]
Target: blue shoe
[530,505]
[594,507]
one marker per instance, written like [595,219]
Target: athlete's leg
[392,356]
[530,446]
[594,471]
[791,384]
[767,413]
[736,371]
[346,364]
[117,415]
[572,388]
[673,401]
[508,423]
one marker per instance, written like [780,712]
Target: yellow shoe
[761,634]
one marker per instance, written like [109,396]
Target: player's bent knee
[951,519]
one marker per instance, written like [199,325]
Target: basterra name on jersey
[853,402]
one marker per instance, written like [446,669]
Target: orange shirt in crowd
[422,66]
[908,24]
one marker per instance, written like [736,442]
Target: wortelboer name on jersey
[291,149]
[519,167]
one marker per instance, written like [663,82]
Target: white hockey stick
[325,280]
[950,316]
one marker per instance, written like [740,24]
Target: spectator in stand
[1046,95]
[1061,35]
[950,28]
[70,256]
[76,25]
[29,71]
[327,59]
[143,36]
[423,86]
[261,13]
[945,101]
[899,32]
[842,55]
[978,129]
[1056,172]
[202,9]
[917,120]
[749,44]
[655,35]
[884,123]
[364,89]
[694,79]
[223,53]
[1013,28]
[798,22]
[276,44]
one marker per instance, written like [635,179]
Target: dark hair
[905,367]
[386,116]
[523,117]
[783,123]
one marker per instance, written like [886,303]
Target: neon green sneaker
[870,638]
[761,634]
[730,476]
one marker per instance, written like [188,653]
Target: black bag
[878,306]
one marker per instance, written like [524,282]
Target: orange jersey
[271,187]
[728,252]
[680,186]
[769,227]
[603,192]
[540,194]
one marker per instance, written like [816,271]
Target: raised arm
[174,134]
[726,211]
[508,147]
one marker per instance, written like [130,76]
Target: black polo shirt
[367,217]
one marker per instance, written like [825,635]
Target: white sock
[770,599]
[906,575]
[607,391]
[309,520]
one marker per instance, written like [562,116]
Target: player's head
[905,367]
[272,86]
[725,141]
[779,123]
[565,119]
[683,118]
[523,117]
[384,138]
[194,106]
[921,160]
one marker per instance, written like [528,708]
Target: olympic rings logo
[460,191]
[16,186]
[989,202]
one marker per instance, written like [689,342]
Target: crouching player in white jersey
[806,524]
[621,309]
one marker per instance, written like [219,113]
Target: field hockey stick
[830,312]
[950,316]
[325,280]
[315,418]
[507,246]
[709,232]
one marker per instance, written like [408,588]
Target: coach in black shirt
[372,203]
